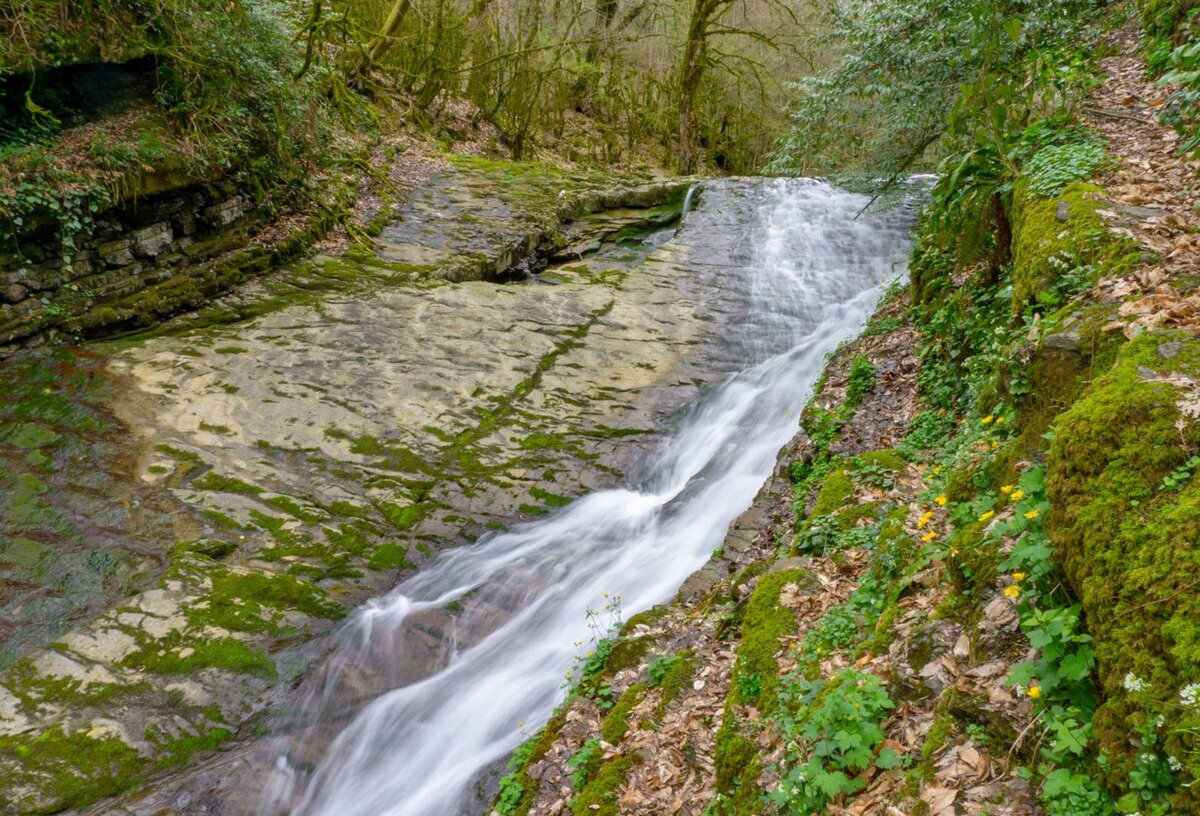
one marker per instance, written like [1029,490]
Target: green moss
[585,763]
[737,769]
[889,459]
[542,441]
[1043,246]
[894,547]
[32,688]
[26,435]
[222,520]
[648,618]
[837,491]
[293,508]
[616,722]
[849,517]
[764,623]
[72,768]
[1126,544]
[548,498]
[941,730]
[179,455]
[626,653]
[179,749]
[178,654]
[756,669]
[256,601]
[388,556]
[403,518]
[976,566]
[224,484]
[1079,350]
[533,751]
[599,796]
[677,678]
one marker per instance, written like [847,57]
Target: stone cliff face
[157,254]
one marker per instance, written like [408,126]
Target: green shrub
[1053,168]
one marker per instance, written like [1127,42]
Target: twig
[1017,742]
[1170,597]
[1117,115]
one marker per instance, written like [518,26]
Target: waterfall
[496,623]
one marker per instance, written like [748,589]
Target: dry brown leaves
[1153,193]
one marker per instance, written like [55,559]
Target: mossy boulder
[1054,235]
[888,459]
[1128,540]
[1074,347]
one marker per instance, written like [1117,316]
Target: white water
[813,276]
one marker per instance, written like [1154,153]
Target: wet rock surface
[191,510]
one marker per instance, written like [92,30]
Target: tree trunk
[691,72]
[379,46]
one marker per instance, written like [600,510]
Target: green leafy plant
[584,762]
[1178,477]
[1053,168]
[1065,793]
[860,379]
[832,734]
[872,475]
[511,789]
[749,687]
[819,536]
[660,666]
[1182,111]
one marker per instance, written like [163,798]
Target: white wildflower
[1175,764]
[1134,683]
[1190,695]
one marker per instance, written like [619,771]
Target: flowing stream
[505,614]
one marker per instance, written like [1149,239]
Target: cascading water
[427,686]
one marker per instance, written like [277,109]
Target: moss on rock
[837,492]
[616,722]
[1128,541]
[1053,235]
[599,796]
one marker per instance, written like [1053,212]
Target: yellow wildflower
[1034,692]
[930,536]
[1006,489]
[987,515]
[1012,591]
[1000,420]
[995,444]
[1018,576]
[988,420]
[937,468]
[953,551]
[941,500]
[1017,495]
[925,517]
[1032,514]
